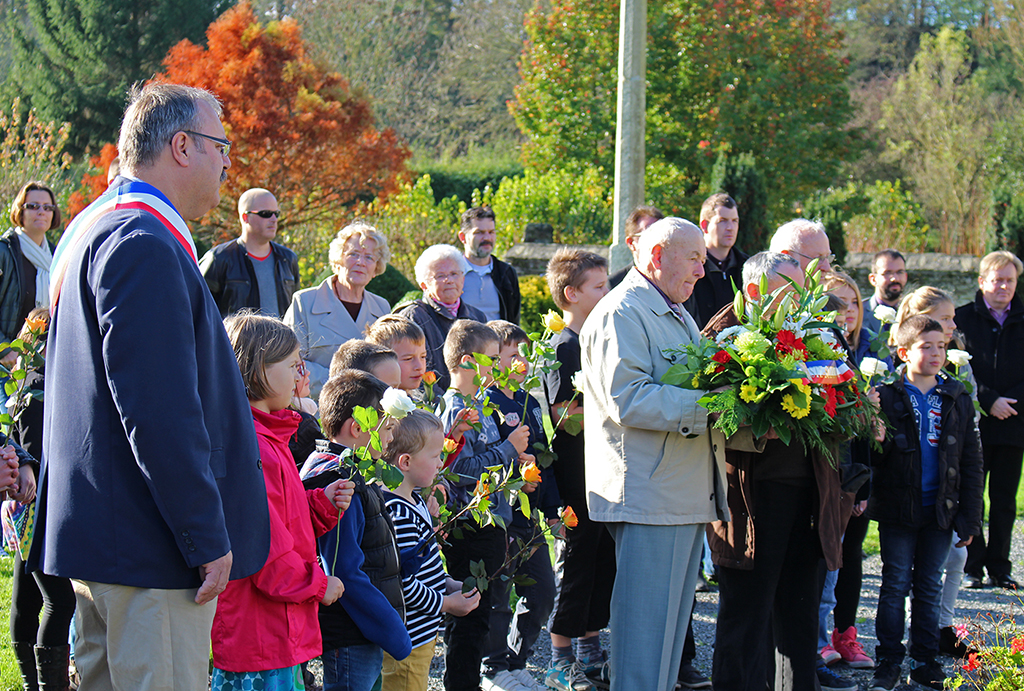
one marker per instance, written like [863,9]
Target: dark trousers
[1002,467]
[913,557]
[848,581]
[466,637]
[775,601]
[513,634]
[583,600]
[32,593]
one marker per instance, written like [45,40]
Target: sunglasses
[36,206]
[265,213]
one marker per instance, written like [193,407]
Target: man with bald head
[655,468]
[786,509]
[804,240]
[252,271]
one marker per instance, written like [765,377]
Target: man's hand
[340,493]
[1002,408]
[335,589]
[215,577]
[860,507]
[965,542]
[26,490]
[519,437]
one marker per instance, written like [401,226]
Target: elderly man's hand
[215,578]
[1003,408]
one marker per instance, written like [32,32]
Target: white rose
[577,381]
[959,358]
[397,403]
[870,367]
[885,314]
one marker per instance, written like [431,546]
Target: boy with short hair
[362,551]
[927,482]
[505,665]
[415,448]
[483,448]
[369,357]
[578,280]
[406,338]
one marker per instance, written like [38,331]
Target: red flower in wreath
[786,342]
[723,358]
[831,398]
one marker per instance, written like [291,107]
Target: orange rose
[430,377]
[450,445]
[37,324]
[569,517]
[530,472]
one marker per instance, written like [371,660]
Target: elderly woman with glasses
[25,256]
[340,308]
[440,271]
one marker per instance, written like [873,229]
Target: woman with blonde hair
[340,308]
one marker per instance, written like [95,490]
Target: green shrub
[1009,220]
[885,215]
[834,207]
[459,180]
[739,177]
[536,301]
[391,285]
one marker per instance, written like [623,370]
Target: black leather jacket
[232,279]
[506,280]
[11,316]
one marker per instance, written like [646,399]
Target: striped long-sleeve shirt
[423,590]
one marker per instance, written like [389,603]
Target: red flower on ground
[972,663]
[1017,645]
[786,342]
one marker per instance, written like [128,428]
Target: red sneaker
[851,651]
[829,655]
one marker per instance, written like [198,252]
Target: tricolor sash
[135,194]
[827,371]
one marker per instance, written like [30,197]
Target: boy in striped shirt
[415,449]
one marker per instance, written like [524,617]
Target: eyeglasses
[225,145]
[893,274]
[824,258]
[266,213]
[453,276]
[359,256]
[36,206]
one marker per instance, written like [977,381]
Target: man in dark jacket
[723,268]
[993,329]
[151,494]
[252,271]
[491,285]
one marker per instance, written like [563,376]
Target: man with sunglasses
[252,271]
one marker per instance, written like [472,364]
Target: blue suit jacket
[151,462]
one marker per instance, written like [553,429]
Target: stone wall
[956,273]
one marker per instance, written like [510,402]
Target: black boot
[52,667]
[27,665]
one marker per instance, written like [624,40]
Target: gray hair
[662,232]
[363,232]
[790,236]
[154,114]
[433,255]
[767,264]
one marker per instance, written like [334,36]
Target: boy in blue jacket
[362,551]
[927,482]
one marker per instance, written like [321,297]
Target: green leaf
[10,387]
[19,374]
[785,434]
[468,585]
[366,417]
[478,569]
[483,360]
[524,504]
[760,426]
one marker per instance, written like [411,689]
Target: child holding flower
[505,667]
[265,625]
[928,481]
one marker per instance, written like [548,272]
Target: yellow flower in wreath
[796,412]
[748,392]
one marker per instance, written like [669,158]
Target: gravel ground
[973,605]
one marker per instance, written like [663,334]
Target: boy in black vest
[362,551]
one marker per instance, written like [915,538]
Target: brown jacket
[732,544]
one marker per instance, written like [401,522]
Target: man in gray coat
[655,469]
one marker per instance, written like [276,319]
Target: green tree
[939,126]
[74,59]
[750,76]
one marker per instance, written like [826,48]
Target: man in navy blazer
[152,494]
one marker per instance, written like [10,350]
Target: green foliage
[867,218]
[32,149]
[834,207]
[536,302]
[460,177]
[738,175]
[74,59]
[1009,220]
[769,78]
[578,205]
[391,285]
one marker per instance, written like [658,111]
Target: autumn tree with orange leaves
[296,128]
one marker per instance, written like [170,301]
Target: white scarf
[40,258]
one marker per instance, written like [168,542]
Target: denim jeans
[352,668]
[913,557]
[828,603]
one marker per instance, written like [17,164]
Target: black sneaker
[832,680]
[950,644]
[691,678]
[928,674]
[887,675]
